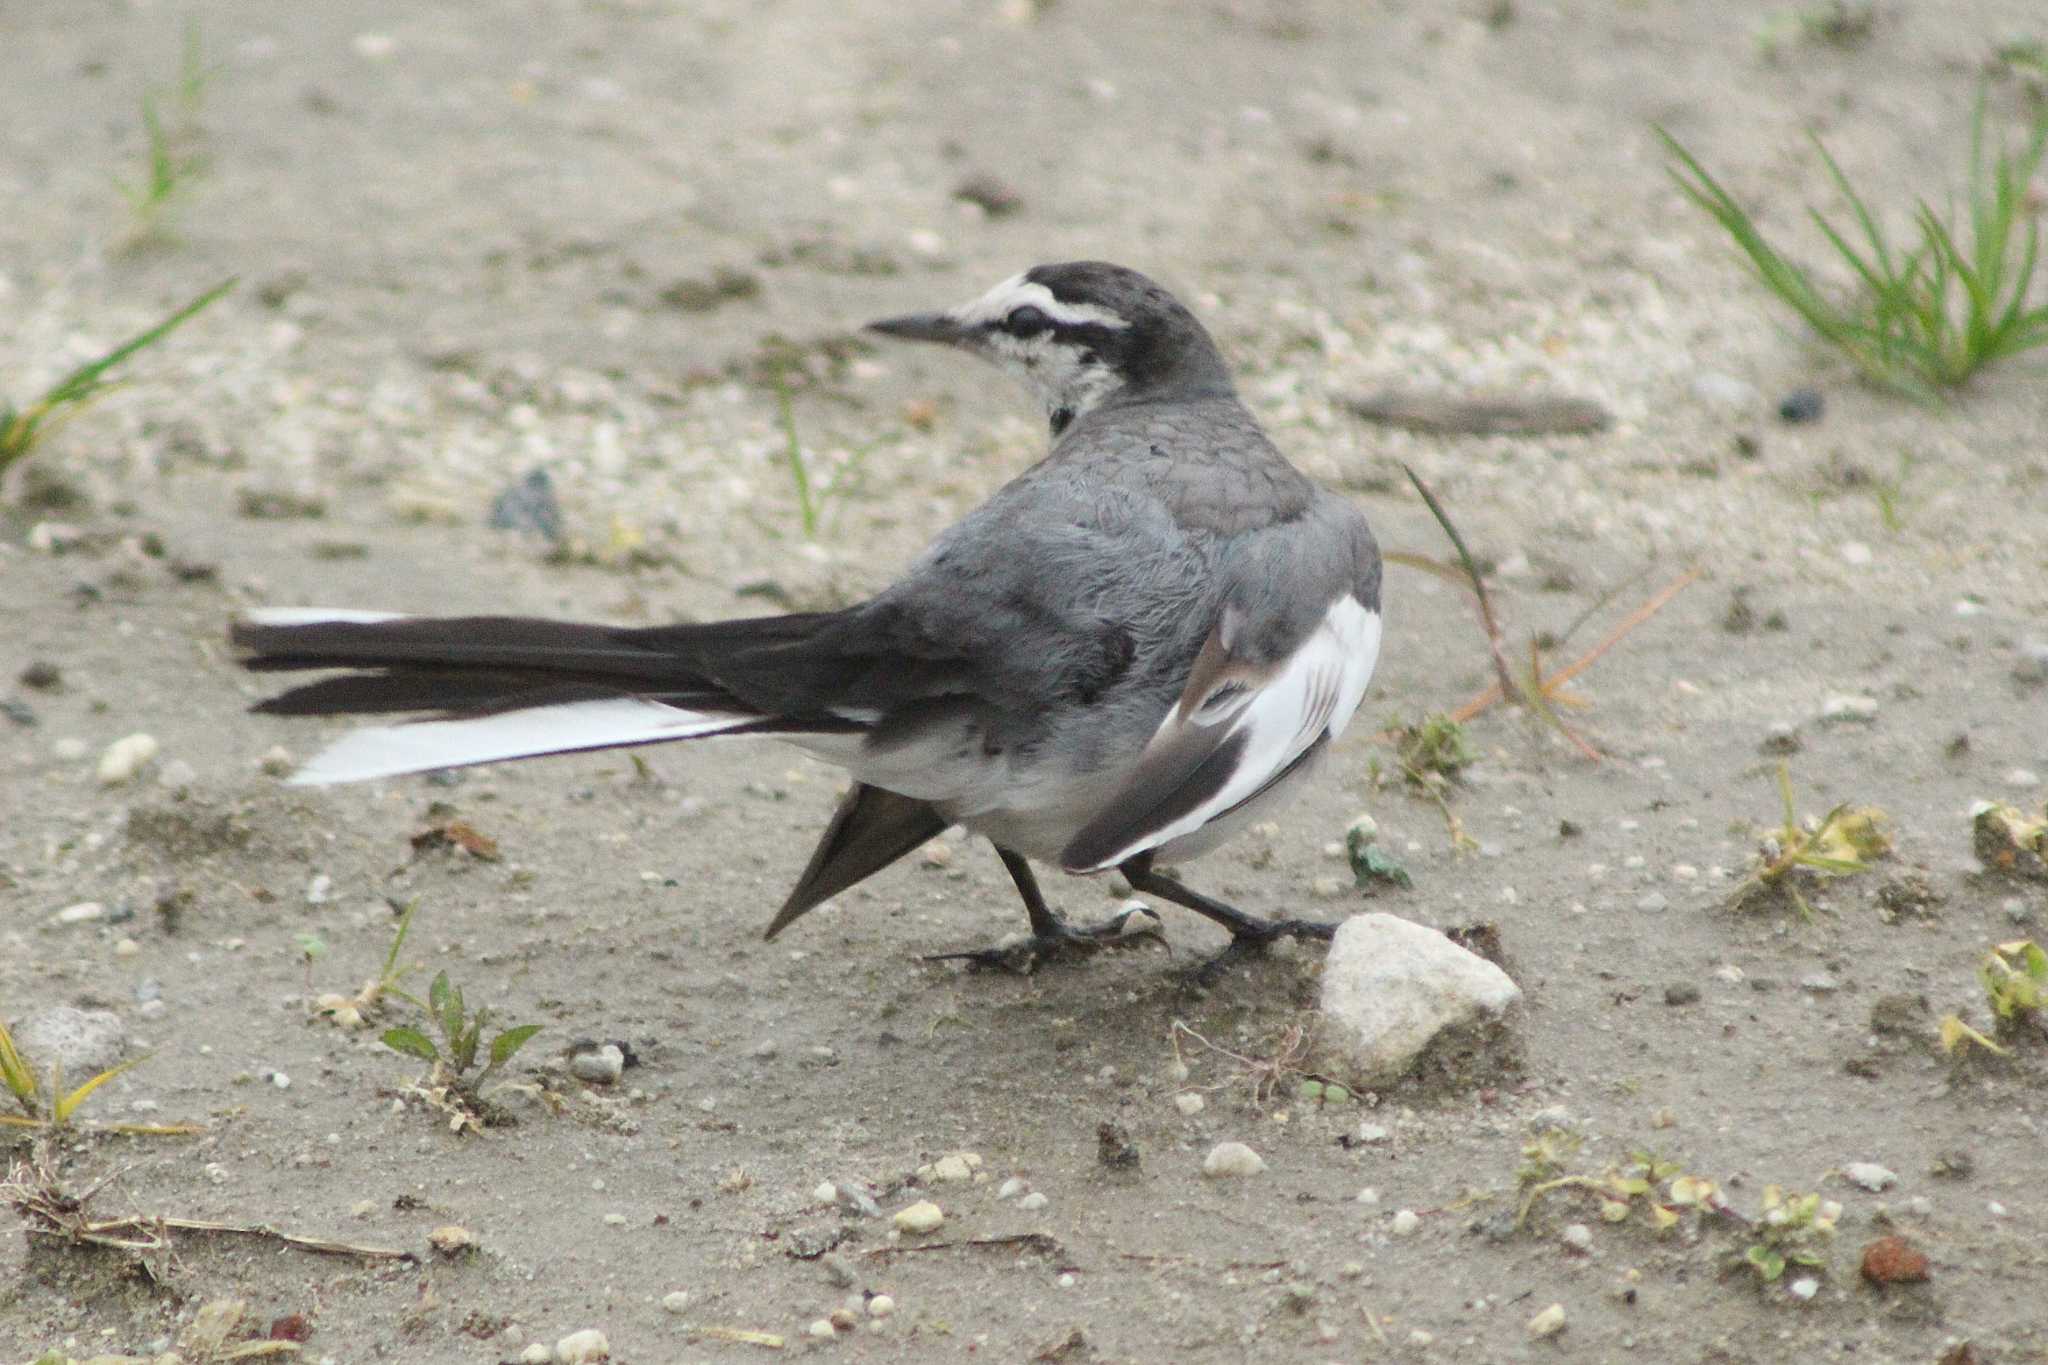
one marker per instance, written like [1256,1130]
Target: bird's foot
[1056,940]
[1250,937]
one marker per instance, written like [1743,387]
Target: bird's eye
[1026,321]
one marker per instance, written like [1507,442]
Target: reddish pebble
[291,1327]
[1894,1260]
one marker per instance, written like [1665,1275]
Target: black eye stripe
[1026,321]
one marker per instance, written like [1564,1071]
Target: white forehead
[1017,291]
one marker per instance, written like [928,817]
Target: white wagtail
[1132,650]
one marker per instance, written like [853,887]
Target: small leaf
[1613,1210]
[63,1108]
[1663,1217]
[437,994]
[1691,1190]
[412,1043]
[1768,1262]
[510,1041]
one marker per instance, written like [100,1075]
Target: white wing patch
[421,746]
[1017,291]
[1318,688]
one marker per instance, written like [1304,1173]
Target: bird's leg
[1248,933]
[1052,936]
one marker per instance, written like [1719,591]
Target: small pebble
[276,762]
[1801,405]
[675,1301]
[451,1238]
[1033,1202]
[320,889]
[599,1065]
[536,1354]
[1326,888]
[881,1306]
[1406,1221]
[1369,1197]
[85,912]
[615,1220]
[1819,983]
[1803,1288]
[126,947]
[583,1348]
[1547,1323]
[2023,777]
[1231,1159]
[825,1192]
[920,1218]
[822,1329]
[1373,1132]
[1870,1175]
[126,757]
[1681,993]
[1418,1337]
[951,1170]
[845,1319]
[1855,552]
[1653,903]
[1189,1103]
[1577,1236]
[1012,1187]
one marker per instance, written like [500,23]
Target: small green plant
[1842,843]
[1921,319]
[2015,977]
[1434,750]
[1371,865]
[1793,1231]
[462,1033]
[811,498]
[22,428]
[1648,1187]
[47,1106]
[170,162]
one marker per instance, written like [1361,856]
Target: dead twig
[1042,1243]
[1508,687]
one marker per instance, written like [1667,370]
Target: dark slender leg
[1248,933]
[1051,936]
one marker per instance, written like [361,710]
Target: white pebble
[126,947]
[1995,1209]
[1547,1323]
[1326,888]
[1373,1132]
[276,762]
[320,889]
[85,912]
[1369,1197]
[615,1220]
[69,748]
[675,1301]
[536,1354]
[598,1065]
[1855,552]
[1870,1175]
[1230,1159]
[1803,1288]
[1418,1337]
[177,775]
[581,1348]
[920,1218]
[126,757]
[1189,1103]
[1653,903]
[1406,1221]
[1012,1187]
[825,1192]
[822,1329]
[1849,707]
[1066,1281]
[1033,1202]
[1577,1236]
[374,46]
[951,1170]
[2023,777]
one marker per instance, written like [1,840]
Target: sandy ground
[474,242]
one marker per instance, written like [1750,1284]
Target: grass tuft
[1919,320]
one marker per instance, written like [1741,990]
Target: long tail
[504,687]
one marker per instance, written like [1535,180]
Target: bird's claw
[1253,937]
[1027,953]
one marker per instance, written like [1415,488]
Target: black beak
[940,327]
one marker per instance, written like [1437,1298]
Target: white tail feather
[421,746]
[318,616]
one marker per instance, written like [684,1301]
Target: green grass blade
[87,378]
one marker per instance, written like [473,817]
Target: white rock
[1390,987]
[277,761]
[1230,1159]
[582,1348]
[1011,1188]
[1418,1337]
[920,1218]
[1033,1202]
[1870,1175]
[822,1329]
[80,1043]
[1369,1197]
[1803,1288]
[951,1170]
[1406,1221]
[825,1192]
[126,757]
[598,1065]
[1373,1132]
[1856,552]
[1723,390]
[1189,1103]
[319,889]
[85,912]
[881,1306]
[1577,1236]
[536,1354]
[1547,1323]
[675,1301]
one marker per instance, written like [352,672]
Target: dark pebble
[19,712]
[1681,993]
[43,676]
[529,505]
[1801,405]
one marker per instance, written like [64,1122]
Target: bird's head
[1077,335]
